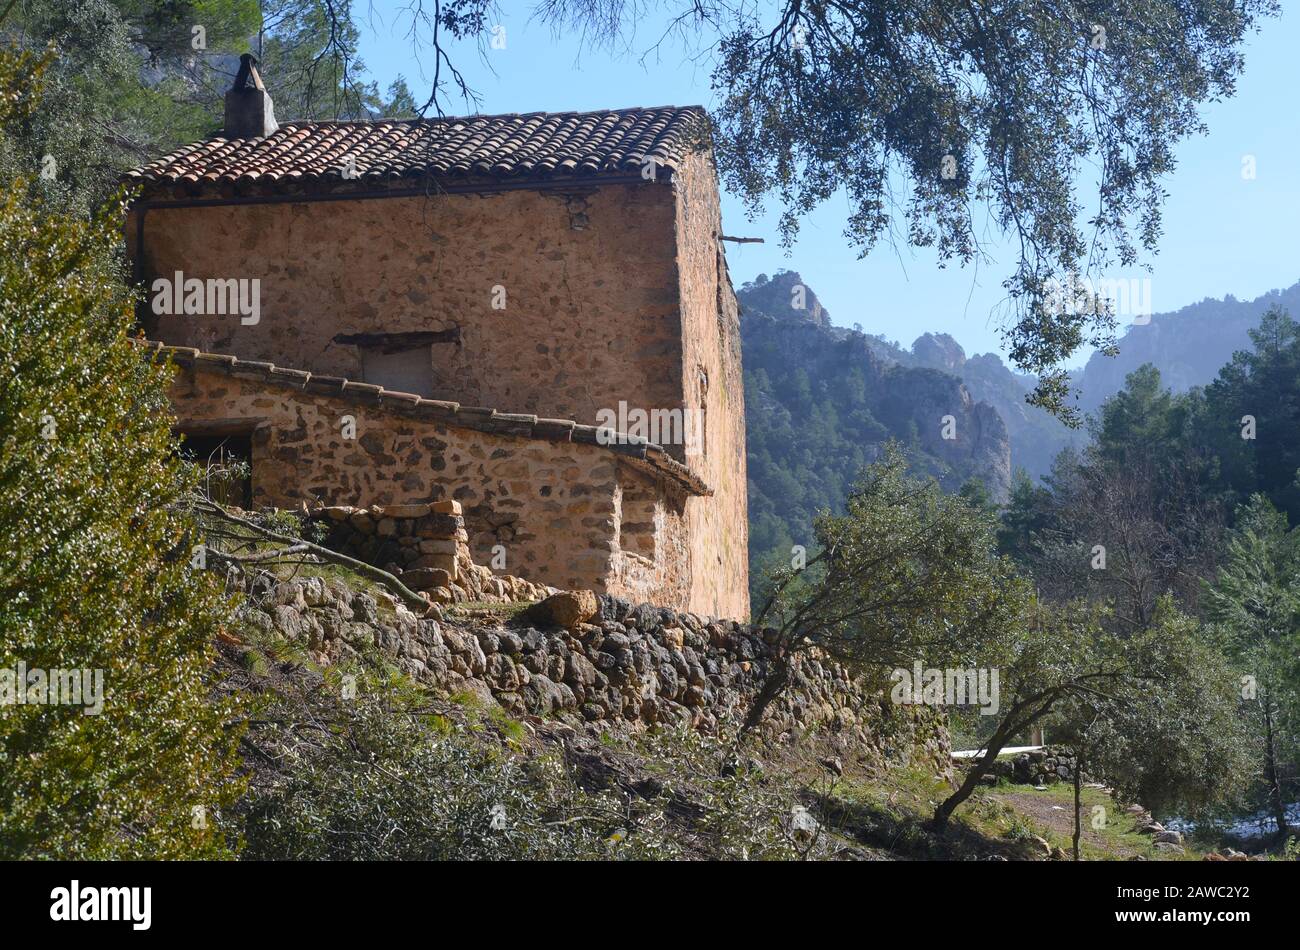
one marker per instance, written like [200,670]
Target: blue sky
[1224,234]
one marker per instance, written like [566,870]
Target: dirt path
[1052,814]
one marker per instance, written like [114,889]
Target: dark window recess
[227,461]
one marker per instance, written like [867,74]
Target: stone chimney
[250,114]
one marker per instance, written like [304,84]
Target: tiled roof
[519,425]
[385,152]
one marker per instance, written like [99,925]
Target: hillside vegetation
[393,770]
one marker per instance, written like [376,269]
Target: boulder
[579,671]
[288,621]
[364,608]
[567,609]
[288,594]
[315,592]
[673,637]
[543,696]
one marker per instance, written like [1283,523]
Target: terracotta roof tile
[537,145]
[646,455]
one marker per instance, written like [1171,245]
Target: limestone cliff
[1036,436]
[910,404]
[821,404]
[788,299]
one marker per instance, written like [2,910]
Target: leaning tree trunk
[777,678]
[1272,776]
[977,771]
[1021,717]
[1078,772]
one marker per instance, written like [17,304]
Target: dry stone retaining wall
[1037,767]
[631,667]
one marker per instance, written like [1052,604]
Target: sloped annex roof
[638,451]
[539,145]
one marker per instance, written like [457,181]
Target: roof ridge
[350,153]
[495,115]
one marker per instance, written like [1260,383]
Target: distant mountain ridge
[1035,436]
[1188,346]
[822,400]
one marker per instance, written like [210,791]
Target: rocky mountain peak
[786,297]
[938,351]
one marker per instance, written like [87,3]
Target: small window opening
[405,371]
[226,461]
[404,362]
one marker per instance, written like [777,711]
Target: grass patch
[1114,836]
[511,729]
[891,813]
[485,608]
[466,700]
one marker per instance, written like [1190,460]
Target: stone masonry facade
[544,491]
[563,298]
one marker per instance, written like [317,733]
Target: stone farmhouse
[528,314]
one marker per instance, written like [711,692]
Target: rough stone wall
[1044,766]
[557,498]
[713,384]
[590,319]
[424,544]
[614,294]
[632,667]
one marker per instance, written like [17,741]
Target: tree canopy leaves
[95,572]
[1056,123]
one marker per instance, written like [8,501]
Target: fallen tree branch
[409,597]
[259,557]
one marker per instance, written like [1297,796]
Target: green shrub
[381,776]
[94,566]
[387,781]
